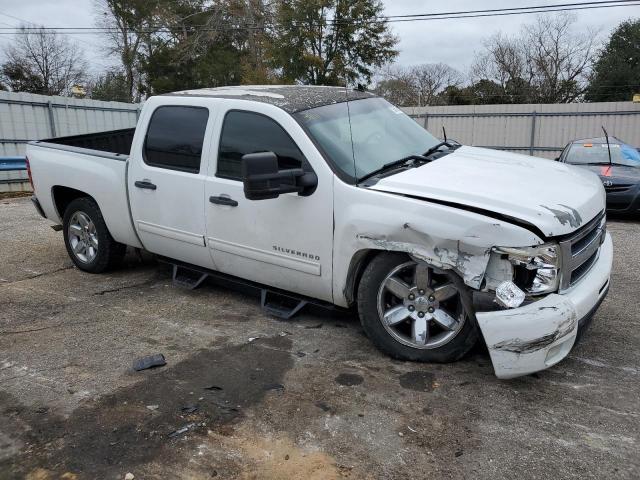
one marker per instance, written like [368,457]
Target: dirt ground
[246,396]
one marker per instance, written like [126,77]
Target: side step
[186,278]
[279,305]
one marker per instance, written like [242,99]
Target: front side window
[361,136]
[247,132]
[175,137]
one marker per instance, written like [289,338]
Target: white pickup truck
[336,195]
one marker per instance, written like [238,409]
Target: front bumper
[534,337]
[627,202]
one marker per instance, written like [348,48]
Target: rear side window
[247,132]
[175,137]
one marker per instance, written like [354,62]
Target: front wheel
[88,241]
[413,311]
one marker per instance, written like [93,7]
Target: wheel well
[359,262]
[63,196]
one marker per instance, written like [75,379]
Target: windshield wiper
[435,148]
[592,163]
[396,163]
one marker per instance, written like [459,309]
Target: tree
[419,85]
[40,61]
[126,25]
[328,42]
[169,45]
[111,86]
[547,63]
[616,73]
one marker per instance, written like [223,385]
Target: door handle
[145,184]
[220,200]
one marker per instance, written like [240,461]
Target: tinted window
[175,137]
[246,132]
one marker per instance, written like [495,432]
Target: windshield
[621,154]
[380,133]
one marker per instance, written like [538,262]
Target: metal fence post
[532,143]
[52,121]
[426,121]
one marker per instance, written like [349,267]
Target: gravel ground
[247,396]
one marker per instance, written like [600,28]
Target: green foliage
[616,75]
[18,77]
[325,42]
[111,87]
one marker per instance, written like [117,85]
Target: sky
[449,41]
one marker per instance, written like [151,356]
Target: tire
[104,253]
[375,302]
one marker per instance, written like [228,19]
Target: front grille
[618,188]
[580,251]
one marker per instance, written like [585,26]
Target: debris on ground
[213,387]
[129,476]
[183,430]
[319,325]
[153,407]
[150,361]
[301,354]
[190,408]
[251,339]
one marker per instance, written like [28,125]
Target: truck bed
[112,141]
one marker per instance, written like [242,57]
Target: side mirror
[263,180]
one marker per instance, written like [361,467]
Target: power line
[388,19]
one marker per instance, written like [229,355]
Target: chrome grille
[580,251]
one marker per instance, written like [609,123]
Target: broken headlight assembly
[536,270]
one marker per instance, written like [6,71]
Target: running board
[186,278]
[279,305]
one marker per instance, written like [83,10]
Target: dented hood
[555,197]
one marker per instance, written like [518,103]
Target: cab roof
[290,98]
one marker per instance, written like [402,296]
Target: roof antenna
[444,133]
[606,135]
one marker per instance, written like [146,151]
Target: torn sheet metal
[445,237]
[470,264]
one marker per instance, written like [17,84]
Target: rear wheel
[413,311]
[88,241]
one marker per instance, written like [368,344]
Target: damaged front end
[562,284]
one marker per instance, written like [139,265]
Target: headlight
[536,270]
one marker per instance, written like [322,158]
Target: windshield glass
[380,133]
[621,154]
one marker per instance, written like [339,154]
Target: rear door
[166,181]
[286,242]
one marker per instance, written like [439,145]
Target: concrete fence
[25,117]
[542,130]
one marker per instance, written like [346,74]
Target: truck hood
[554,197]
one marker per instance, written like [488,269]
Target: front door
[166,184]
[284,242]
